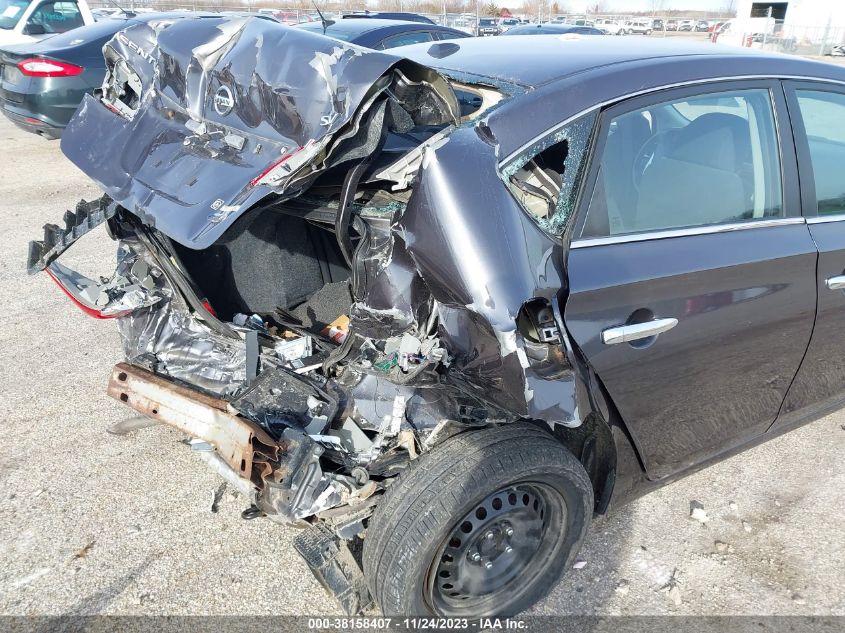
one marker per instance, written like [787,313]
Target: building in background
[803,20]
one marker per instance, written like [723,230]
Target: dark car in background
[382,34]
[553,29]
[42,83]
[657,24]
[702,26]
[488,27]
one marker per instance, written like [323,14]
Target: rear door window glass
[823,114]
[404,39]
[546,176]
[705,160]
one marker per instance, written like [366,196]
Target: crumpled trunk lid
[202,118]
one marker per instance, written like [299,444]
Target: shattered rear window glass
[545,177]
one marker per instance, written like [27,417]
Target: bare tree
[491,8]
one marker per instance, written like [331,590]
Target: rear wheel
[483,525]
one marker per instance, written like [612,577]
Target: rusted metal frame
[241,444]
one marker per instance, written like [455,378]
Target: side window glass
[404,39]
[823,113]
[56,17]
[545,177]
[704,160]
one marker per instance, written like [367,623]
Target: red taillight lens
[207,305]
[87,309]
[266,176]
[40,67]
[270,167]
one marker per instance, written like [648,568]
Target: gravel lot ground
[93,523]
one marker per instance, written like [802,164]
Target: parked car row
[698,26]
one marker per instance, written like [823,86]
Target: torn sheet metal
[460,249]
[225,102]
[279,399]
[172,341]
[134,284]
[283,474]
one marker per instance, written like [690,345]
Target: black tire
[514,481]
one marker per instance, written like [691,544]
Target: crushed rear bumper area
[282,476]
[240,443]
[255,464]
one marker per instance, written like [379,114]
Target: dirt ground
[94,523]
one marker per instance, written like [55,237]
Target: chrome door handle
[835,283]
[636,331]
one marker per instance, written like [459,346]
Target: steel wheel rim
[485,557]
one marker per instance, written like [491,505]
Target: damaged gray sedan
[363,283]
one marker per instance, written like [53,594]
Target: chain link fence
[801,39]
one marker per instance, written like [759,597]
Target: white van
[30,20]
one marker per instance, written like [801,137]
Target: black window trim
[806,177]
[788,164]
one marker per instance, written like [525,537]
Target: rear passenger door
[691,271]
[817,111]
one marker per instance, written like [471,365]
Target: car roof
[547,58]
[359,27]
[389,15]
